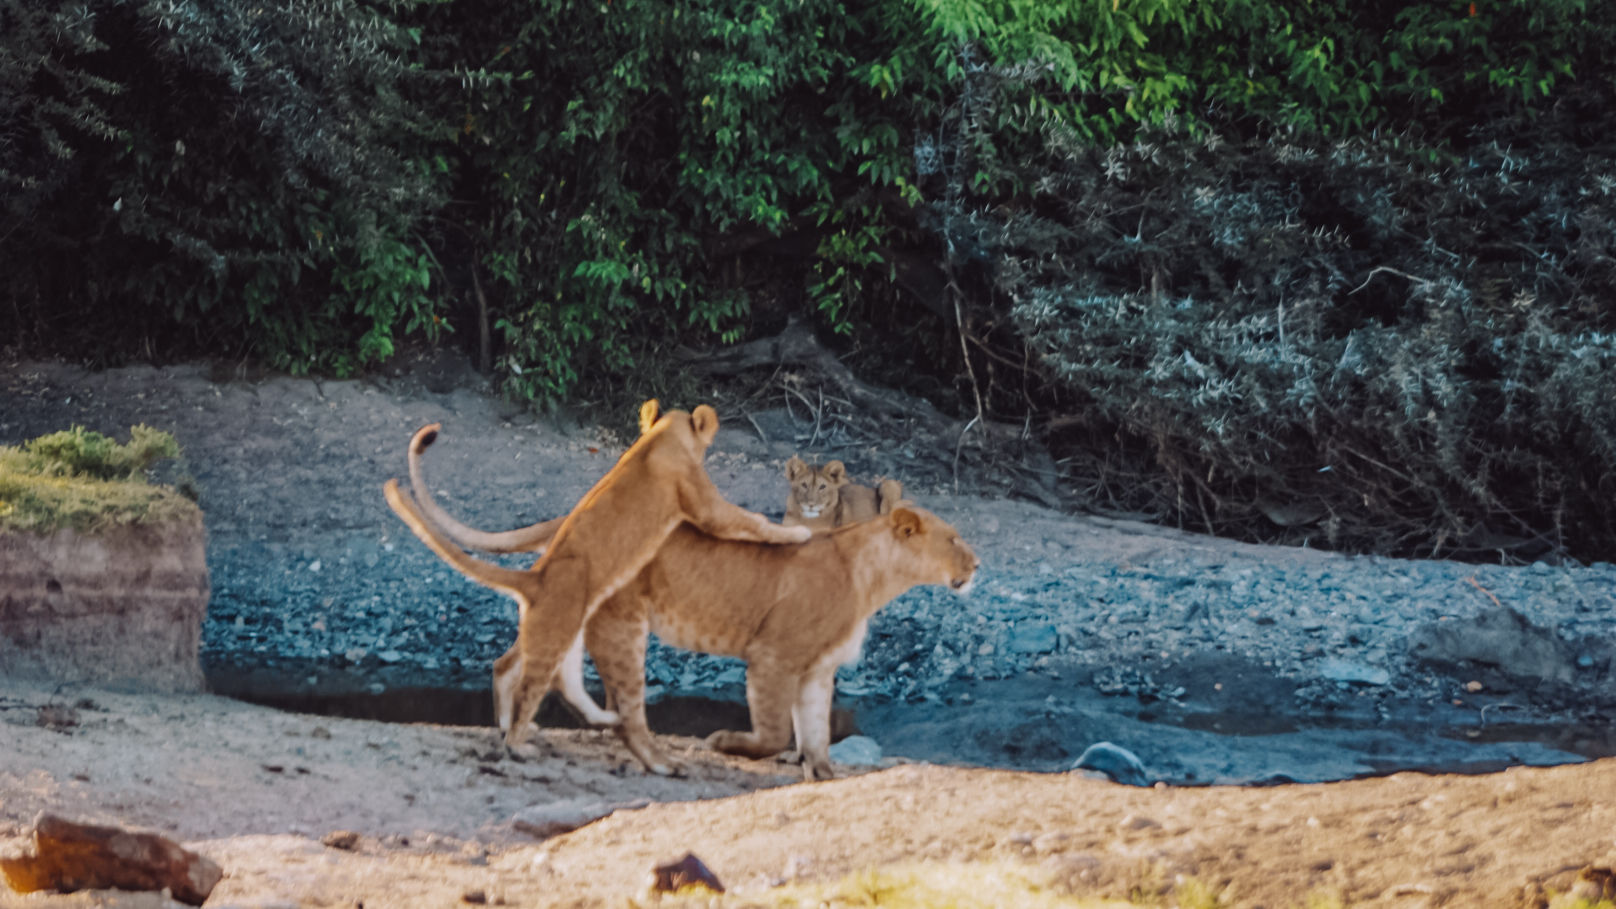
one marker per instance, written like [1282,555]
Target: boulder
[69,856]
[121,606]
[1499,637]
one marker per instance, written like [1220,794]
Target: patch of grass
[934,885]
[86,481]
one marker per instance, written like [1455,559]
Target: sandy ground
[257,790]
[287,473]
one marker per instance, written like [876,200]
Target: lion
[823,498]
[793,612]
[613,531]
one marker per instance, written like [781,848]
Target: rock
[341,839]
[69,856]
[1033,637]
[1117,764]
[1594,885]
[555,818]
[856,750]
[1338,670]
[1498,637]
[124,605]
[686,872]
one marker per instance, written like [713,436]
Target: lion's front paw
[817,770]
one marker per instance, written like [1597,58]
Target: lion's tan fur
[822,498]
[794,613]
[613,531]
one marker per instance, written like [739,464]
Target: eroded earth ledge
[122,606]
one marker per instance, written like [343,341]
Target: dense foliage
[1123,201]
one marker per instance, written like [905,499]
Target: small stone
[856,750]
[341,839]
[1034,637]
[1138,822]
[556,818]
[389,656]
[474,897]
[1473,686]
[314,566]
[686,872]
[1346,671]
[1117,763]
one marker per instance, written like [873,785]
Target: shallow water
[1036,725]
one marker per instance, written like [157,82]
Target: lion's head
[929,539]
[815,490]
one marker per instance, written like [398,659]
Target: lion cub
[822,498]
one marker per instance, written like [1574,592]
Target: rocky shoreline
[1214,661]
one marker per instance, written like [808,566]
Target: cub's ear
[836,472]
[796,468]
[704,420]
[905,523]
[649,411]
[888,495]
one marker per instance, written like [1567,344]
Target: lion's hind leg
[570,682]
[543,637]
[770,696]
[507,672]
[616,636]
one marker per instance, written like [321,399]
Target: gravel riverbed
[1213,661]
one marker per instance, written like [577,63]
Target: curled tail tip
[424,437]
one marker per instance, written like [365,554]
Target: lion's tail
[499,578]
[533,538]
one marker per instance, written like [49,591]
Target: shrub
[86,481]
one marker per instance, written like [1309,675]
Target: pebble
[856,751]
[1033,637]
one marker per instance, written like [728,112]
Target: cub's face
[936,543]
[815,489]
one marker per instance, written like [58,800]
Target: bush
[215,178]
[1356,342]
[86,481]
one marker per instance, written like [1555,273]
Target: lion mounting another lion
[794,612]
[600,545]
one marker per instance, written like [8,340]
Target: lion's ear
[704,420]
[836,472]
[905,523]
[648,415]
[795,468]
